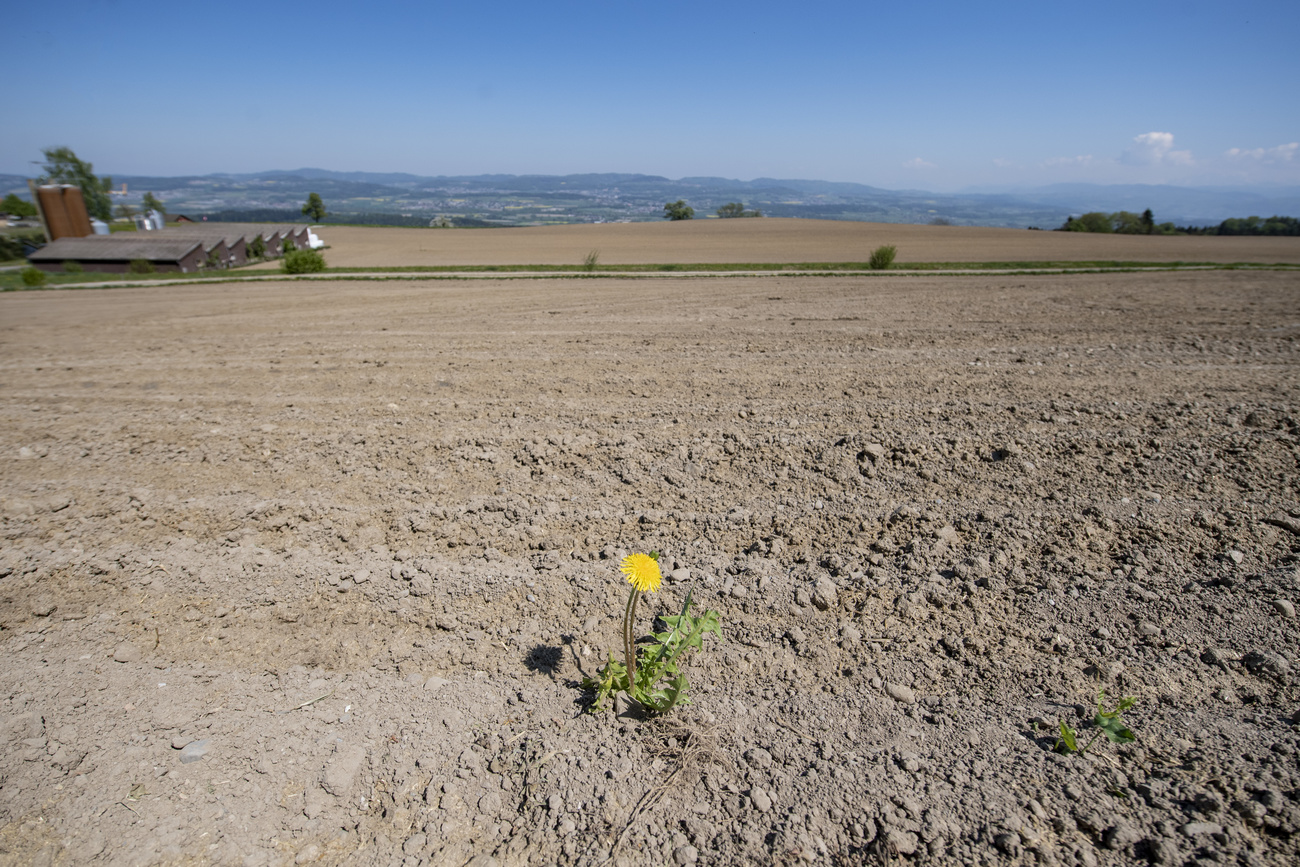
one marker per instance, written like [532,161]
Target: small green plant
[140,266]
[303,262]
[72,266]
[882,258]
[650,674]
[33,276]
[1108,723]
[256,248]
[592,259]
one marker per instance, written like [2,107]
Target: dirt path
[307,572]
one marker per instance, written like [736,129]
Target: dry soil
[309,572]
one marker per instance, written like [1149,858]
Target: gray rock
[904,842]
[1120,836]
[684,855]
[850,634]
[179,743]
[414,844]
[1263,661]
[758,757]
[900,693]
[1007,844]
[796,635]
[555,803]
[434,684]
[1236,556]
[825,594]
[762,800]
[127,652]
[1284,607]
[194,751]
[342,771]
[679,576]
[1196,829]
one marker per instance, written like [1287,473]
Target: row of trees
[1128,223]
[679,210]
[1120,223]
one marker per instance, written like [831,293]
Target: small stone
[567,827]
[904,842]
[796,635]
[825,594]
[555,803]
[434,684]
[1008,844]
[361,576]
[43,608]
[758,757]
[1148,630]
[309,854]
[179,743]
[679,576]
[1284,607]
[194,751]
[1119,836]
[900,693]
[342,771]
[414,844]
[126,652]
[1266,662]
[1196,829]
[850,633]
[762,800]
[684,855]
[1236,556]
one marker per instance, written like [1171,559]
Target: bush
[591,260]
[882,258]
[72,266]
[33,276]
[140,266]
[303,262]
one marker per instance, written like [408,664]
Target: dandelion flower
[642,572]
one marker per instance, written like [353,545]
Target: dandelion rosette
[642,572]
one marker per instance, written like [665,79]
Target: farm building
[220,245]
[115,253]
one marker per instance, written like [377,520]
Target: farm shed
[115,253]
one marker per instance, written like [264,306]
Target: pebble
[1285,607]
[684,855]
[1196,829]
[126,652]
[796,635]
[762,800]
[679,576]
[308,855]
[180,743]
[361,576]
[901,693]
[825,594]
[850,633]
[555,803]
[194,751]
[342,771]
[1236,556]
[434,684]
[1266,662]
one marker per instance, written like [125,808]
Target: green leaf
[1067,740]
[1114,729]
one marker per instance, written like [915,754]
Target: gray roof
[122,247]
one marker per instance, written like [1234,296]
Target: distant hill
[398,198]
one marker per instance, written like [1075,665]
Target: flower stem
[629,642]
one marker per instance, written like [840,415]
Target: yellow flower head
[642,572]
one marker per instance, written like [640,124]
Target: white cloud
[1281,154]
[917,163]
[1155,149]
[1069,161]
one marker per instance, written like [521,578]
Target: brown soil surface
[773,240]
[302,573]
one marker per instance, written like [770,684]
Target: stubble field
[302,572]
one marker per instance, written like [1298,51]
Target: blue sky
[925,95]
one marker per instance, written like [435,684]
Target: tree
[63,167]
[1094,221]
[151,203]
[1148,221]
[17,207]
[679,210]
[736,209]
[314,208]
